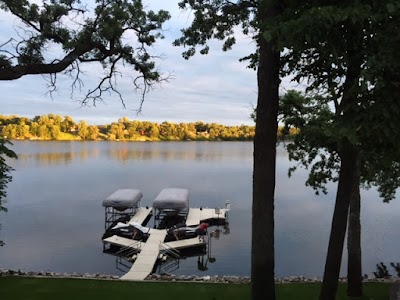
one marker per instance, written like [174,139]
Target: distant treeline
[56,127]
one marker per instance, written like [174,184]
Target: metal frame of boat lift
[121,205]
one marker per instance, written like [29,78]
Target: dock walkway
[141,215]
[146,259]
[123,242]
[197,215]
[193,242]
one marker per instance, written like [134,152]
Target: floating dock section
[146,259]
[141,215]
[198,215]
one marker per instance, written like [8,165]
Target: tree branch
[18,71]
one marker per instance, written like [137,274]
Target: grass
[76,289]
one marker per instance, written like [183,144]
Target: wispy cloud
[211,88]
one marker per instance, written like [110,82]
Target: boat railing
[131,249]
[166,249]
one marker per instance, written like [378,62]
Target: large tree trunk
[262,250]
[354,269]
[349,155]
[347,177]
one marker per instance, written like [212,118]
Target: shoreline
[227,279]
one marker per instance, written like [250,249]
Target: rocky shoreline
[178,278]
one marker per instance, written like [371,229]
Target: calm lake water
[55,218]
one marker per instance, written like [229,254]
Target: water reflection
[56,158]
[45,154]
[169,151]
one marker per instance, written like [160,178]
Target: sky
[209,88]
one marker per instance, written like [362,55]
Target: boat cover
[123,199]
[138,226]
[172,198]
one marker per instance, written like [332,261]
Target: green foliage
[346,54]
[218,20]
[5,171]
[83,130]
[396,267]
[55,127]
[382,271]
[315,146]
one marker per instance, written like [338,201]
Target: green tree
[168,130]
[117,130]
[101,37]
[153,131]
[44,132]
[341,49]
[67,124]
[83,130]
[22,130]
[5,172]
[9,131]
[57,119]
[34,130]
[218,20]
[55,132]
[92,133]
[44,120]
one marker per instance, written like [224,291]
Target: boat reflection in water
[176,232]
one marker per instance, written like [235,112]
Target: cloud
[211,88]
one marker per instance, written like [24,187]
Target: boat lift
[120,206]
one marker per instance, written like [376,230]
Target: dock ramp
[141,215]
[146,259]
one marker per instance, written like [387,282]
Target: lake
[55,217]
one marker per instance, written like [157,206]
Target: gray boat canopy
[172,198]
[123,199]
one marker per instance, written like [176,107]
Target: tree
[67,124]
[218,20]
[98,36]
[43,132]
[153,131]
[316,150]
[117,130]
[339,49]
[5,172]
[22,130]
[83,130]
[55,132]
[92,132]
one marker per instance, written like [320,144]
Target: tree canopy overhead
[62,35]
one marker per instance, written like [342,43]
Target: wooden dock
[146,259]
[193,242]
[123,242]
[141,215]
[198,215]
[148,252]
